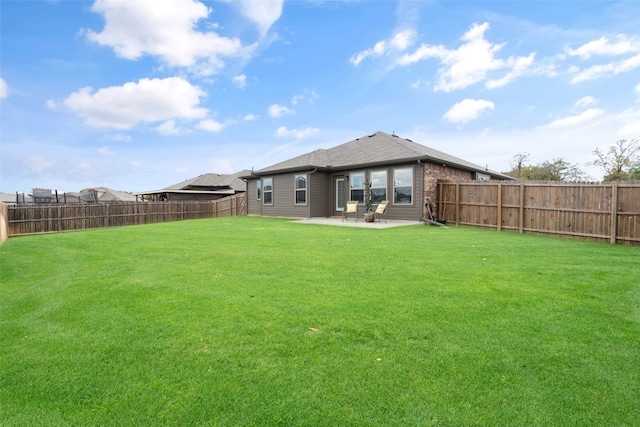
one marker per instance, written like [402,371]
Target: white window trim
[364,175]
[259,189]
[396,186]
[295,190]
[386,182]
[264,191]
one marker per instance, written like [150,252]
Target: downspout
[309,193]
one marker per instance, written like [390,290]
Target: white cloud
[222,165]
[308,95]
[419,84]
[576,120]
[518,67]
[4,89]
[106,151]
[167,30]
[606,70]
[296,133]
[471,62]
[240,81]
[586,101]
[147,101]
[630,130]
[250,117]
[210,125]
[276,111]
[603,46]
[398,43]
[169,128]
[263,13]
[119,137]
[468,109]
[630,123]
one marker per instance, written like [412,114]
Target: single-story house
[12,199]
[320,183]
[209,186]
[100,195]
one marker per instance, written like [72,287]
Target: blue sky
[138,95]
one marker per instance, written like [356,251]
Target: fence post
[458,203]
[440,201]
[614,212]
[521,219]
[499,213]
[59,218]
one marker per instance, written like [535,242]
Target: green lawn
[257,321]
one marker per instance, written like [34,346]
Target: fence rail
[591,211]
[31,219]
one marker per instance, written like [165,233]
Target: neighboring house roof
[208,183]
[8,198]
[375,149]
[106,195]
[214,181]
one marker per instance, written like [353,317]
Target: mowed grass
[258,321]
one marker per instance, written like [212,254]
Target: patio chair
[352,208]
[381,210]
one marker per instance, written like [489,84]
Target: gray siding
[284,198]
[320,200]
[253,205]
[320,195]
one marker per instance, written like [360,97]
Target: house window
[300,188]
[378,186]
[258,189]
[403,186]
[267,191]
[356,185]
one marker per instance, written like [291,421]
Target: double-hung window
[300,189]
[267,191]
[403,186]
[378,186]
[356,186]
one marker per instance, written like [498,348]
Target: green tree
[618,159]
[556,170]
[634,171]
[517,164]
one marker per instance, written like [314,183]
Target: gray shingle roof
[106,194]
[377,148]
[213,180]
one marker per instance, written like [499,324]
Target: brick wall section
[434,172]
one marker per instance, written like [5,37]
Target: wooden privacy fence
[607,211]
[30,219]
